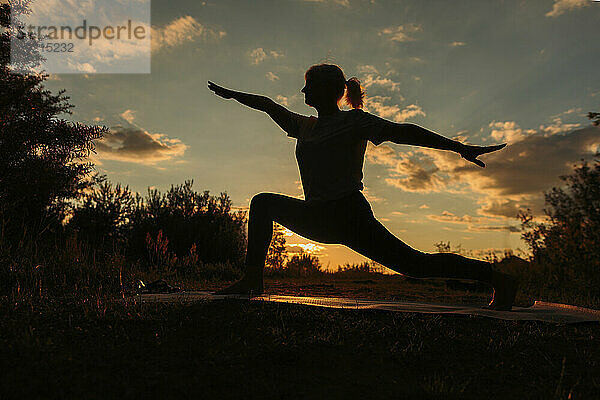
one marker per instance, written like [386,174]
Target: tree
[277,254]
[569,239]
[42,157]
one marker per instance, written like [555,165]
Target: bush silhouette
[161,227]
[567,244]
[103,215]
[303,265]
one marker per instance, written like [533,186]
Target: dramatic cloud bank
[515,177]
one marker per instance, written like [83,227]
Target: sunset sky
[486,72]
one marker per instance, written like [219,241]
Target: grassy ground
[92,346]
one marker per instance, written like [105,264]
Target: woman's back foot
[505,291]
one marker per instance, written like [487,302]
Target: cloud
[401,33]
[382,154]
[409,111]
[311,248]
[508,131]
[282,99]
[509,208]
[376,80]
[570,111]
[561,6]
[531,164]
[271,76]
[473,222]
[128,115]
[508,228]
[81,67]
[393,112]
[134,144]
[447,216]
[181,30]
[369,69]
[411,172]
[61,11]
[517,176]
[558,126]
[259,55]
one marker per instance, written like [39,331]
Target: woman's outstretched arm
[277,112]
[407,133]
[258,102]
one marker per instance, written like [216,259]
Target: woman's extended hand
[220,90]
[470,153]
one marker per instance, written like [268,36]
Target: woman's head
[325,83]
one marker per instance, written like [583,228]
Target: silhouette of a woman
[330,152]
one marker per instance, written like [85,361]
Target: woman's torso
[330,157]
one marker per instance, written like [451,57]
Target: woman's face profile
[308,90]
[314,92]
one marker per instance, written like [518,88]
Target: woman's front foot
[505,291]
[245,286]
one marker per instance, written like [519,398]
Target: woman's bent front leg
[266,208]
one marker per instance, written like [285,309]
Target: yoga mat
[539,311]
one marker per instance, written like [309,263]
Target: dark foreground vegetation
[73,246]
[95,347]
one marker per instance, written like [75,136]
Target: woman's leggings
[350,221]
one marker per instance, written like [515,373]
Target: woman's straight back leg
[367,236]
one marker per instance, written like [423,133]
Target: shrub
[567,243]
[303,265]
[160,228]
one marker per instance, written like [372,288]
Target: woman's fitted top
[330,150]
